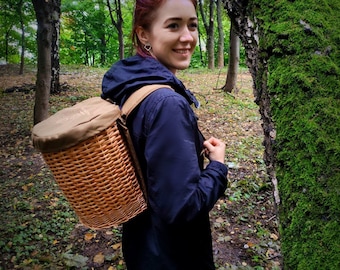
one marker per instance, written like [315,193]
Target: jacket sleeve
[178,190]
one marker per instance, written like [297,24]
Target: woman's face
[173,34]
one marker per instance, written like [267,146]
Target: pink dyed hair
[144,14]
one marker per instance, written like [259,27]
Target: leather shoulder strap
[138,96]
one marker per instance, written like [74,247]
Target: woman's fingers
[216,149]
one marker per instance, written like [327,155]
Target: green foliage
[301,41]
[10,30]
[32,232]
[87,35]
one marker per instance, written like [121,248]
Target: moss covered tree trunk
[293,55]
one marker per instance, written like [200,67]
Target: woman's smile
[182,51]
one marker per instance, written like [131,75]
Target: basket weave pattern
[87,174]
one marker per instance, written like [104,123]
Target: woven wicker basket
[87,174]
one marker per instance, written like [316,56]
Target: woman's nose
[187,35]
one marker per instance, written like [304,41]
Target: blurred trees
[17,31]
[97,33]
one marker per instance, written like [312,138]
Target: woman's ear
[142,35]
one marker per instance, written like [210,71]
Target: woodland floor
[40,231]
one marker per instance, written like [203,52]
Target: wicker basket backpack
[90,153]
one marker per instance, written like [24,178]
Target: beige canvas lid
[75,124]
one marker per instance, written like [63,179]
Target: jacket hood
[130,74]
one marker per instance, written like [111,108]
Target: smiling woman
[174,232]
[172,36]
[145,12]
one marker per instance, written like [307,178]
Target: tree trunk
[210,35]
[234,59]
[101,31]
[86,55]
[7,44]
[220,49]
[246,28]
[209,29]
[121,40]
[19,8]
[22,56]
[43,10]
[55,62]
[118,24]
[200,46]
[296,83]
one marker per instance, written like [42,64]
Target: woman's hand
[214,149]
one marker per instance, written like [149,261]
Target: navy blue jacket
[174,232]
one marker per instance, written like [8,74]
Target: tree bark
[22,56]
[200,46]
[296,83]
[220,46]
[234,59]
[211,36]
[22,27]
[43,10]
[247,29]
[55,59]
[118,24]
[209,29]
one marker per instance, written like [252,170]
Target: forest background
[91,31]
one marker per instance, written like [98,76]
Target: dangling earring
[147,47]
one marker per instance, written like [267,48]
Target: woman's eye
[193,26]
[173,26]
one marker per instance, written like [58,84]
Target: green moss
[301,39]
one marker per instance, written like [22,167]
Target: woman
[174,232]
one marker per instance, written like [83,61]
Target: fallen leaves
[219,220]
[274,236]
[89,236]
[27,186]
[99,258]
[117,246]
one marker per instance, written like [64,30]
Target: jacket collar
[130,74]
